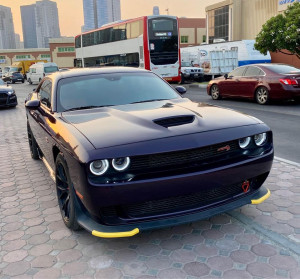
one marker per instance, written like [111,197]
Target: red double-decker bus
[149,42]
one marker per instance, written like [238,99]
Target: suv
[189,72]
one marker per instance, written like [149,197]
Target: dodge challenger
[129,153]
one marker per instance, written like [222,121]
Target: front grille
[186,157]
[3,98]
[174,121]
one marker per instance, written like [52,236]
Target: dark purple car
[129,154]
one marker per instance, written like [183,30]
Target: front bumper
[9,101]
[130,230]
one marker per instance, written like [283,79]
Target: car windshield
[283,69]
[1,82]
[13,69]
[111,89]
[185,64]
[51,69]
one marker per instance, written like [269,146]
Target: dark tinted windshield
[282,69]
[111,90]
[51,69]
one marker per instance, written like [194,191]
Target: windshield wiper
[146,101]
[88,107]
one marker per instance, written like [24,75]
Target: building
[28,15]
[40,22]
[61,51]
[192,31]
[100,12]
[7,30]
[155,10]
[232,20]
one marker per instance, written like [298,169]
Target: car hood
[118,125]
[5,88]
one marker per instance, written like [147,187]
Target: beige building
[192,31]
[61,51]
[233,20]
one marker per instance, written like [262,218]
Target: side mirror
[180,89]
[226,76]
[33,104]
[33,89]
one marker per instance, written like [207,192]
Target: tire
[215,92]
[32,144]
[40,80]
[262,95]
[13,82]
[182,79]
[65,193]
[29,81]
[23,81]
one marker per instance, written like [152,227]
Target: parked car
[191,73]
[128,153]
[261,82]
[8,97]
[39,70]
[13,77]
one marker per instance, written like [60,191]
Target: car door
[249,81]
[230,86]
[44,119]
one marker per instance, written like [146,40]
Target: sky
[70,12]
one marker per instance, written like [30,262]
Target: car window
[111,90]
[237,72]
[44,93]
[1,82]
[33,70]
[51,69]
[253,71]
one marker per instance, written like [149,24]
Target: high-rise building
[7,30]
[28,15]
[155,10]
[40,23]
[100,12]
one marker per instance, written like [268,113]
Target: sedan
[259,82]
[14,77]
[8,97]
[128,153]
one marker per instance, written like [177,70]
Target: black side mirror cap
[226,76]
[180,89]
[33,104]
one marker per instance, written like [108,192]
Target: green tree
[281,32]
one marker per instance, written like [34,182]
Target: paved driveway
[252,242]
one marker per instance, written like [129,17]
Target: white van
[39,70]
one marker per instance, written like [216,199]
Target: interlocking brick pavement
[252,242]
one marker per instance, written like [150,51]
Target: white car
[189,72]
[39,70]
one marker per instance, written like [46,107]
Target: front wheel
[29,81]
[65,193]
[215,92]
[262,95]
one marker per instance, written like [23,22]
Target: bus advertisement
[149,42]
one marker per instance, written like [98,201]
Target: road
[283,118]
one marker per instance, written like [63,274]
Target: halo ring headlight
[99,167]
[244,142]
[260,139]
[121,164]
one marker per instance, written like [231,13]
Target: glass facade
[218,24]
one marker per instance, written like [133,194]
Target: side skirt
[51,171]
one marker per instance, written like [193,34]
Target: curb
[287,161]
[195,85]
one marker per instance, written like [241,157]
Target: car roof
[93,71]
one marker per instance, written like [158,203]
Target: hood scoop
[174,120]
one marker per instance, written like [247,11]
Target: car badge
[224,148]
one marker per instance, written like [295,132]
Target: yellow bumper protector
[115,234]
[262,199]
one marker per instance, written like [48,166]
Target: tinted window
[1,82]
[253,71]
[50,69]
[45,93]
[282,69]
[111,90]
[237,72]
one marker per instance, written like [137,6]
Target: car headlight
[260,139]
[121,164]
[10,92]
[244,142]
[99,167]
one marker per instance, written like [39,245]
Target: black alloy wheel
[65,193]
[262,95]
[215,92]
[32,144]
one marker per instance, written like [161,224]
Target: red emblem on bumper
[225,148]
